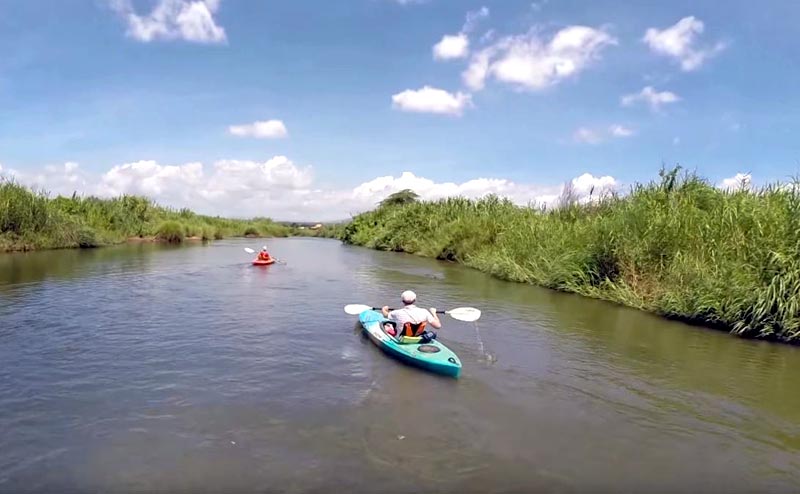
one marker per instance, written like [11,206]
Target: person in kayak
[411,320]
[264,255]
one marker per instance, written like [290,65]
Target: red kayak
[259,262]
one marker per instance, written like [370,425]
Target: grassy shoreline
[31,220]
[677,247]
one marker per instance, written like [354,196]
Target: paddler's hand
[433,310]
[385,310]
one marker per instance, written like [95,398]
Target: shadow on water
[29,267]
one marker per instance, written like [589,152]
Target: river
[186,369]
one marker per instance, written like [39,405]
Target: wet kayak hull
[432,356]
[258,262]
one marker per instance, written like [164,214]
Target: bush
[170,231]
[87,237]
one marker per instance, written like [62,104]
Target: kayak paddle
[466,314]
[251,251]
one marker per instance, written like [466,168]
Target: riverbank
[677,247]
[32,220]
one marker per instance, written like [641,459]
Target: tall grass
[170,231]
[32,220]
[677,246]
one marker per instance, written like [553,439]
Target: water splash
[488,357]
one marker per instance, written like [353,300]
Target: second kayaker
[264,255]
[411,320]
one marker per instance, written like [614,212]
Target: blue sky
[112,96]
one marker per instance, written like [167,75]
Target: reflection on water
[142,367]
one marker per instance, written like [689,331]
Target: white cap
[264,247]
[408,297]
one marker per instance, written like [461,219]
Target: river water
[186,369]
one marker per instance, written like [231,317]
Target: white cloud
[370,193]
[487,36]
[189,20]
[475,75]
[281,189]
[473,18]
[680,43]
[228,187]
[587,184]
[617,130]
[63,179]
[736,182]
[651,97]
[587,136]
[529,62]
[268,129]
[431,100]
[451,46]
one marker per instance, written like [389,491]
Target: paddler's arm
[435,322]
[385,311]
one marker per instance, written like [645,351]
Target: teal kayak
[431,356]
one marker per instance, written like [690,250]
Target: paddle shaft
[438,311]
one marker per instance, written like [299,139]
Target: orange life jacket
[411,329]
[263,256]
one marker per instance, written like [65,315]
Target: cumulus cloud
[585,188]
[431,100]
[228,187]
[738,181]
[651,97]
[679,42]
[283,190]
[268,129]
[528,61]
[189,20]
[63,179]
[451,46]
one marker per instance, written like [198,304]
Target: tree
[405,196]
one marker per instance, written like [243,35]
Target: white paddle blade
[356,309]
[466,314]
[249,250]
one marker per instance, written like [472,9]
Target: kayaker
[410,313]
[264,255]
